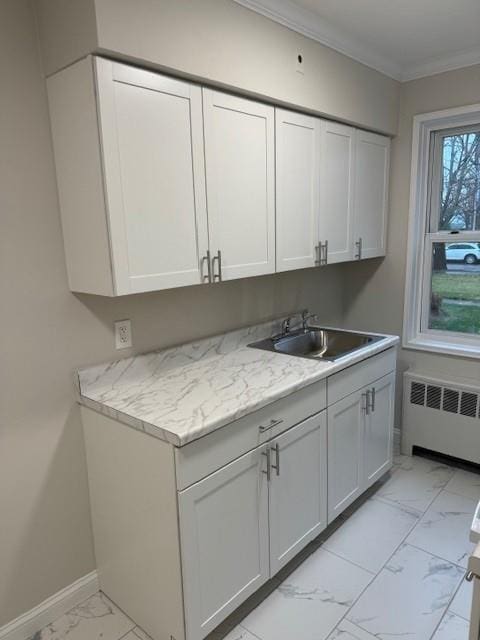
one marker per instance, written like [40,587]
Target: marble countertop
[182,393]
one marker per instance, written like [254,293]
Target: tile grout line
[374,578]
[248,631]
[420,516]
[375,575]
[129,631]
[355,564]
[434,555]
[431,554]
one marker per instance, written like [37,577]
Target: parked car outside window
[468,252]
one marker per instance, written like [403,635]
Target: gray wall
[47,332]
[374,293]
[224,44]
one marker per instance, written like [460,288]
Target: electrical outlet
[123,334]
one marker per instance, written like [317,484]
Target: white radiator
[441,415]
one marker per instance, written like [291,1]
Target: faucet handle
[306,317]
[286,325]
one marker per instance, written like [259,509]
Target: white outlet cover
[123,334]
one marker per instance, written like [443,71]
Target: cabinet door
[336,190]
[224,541]
[239,154]
[345,452]
[151,129]
[379,429]
[297,140]
[298,489]
[372,158]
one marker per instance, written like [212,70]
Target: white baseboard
[50,609]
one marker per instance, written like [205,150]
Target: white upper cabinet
[372,165]
[297,139]
[151,129]
[336,192]
[164,184]
[129,153]
[240,169]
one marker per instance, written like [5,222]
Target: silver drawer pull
[366,407]
[276,466]
[273,423]
[217,277]
[358,244]
[268,472]
[207,276]
[372,406]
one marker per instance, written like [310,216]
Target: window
[442,306]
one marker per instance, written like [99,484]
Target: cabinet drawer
[201,457]
[361,374]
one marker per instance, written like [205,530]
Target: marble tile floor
[392,565]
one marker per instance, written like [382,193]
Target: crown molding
[441,64]
[309,24]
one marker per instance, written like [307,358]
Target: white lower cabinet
[378,442]
[273,498]
[360,442]
[224,541]
[345,464]
[298,489]
[191,532]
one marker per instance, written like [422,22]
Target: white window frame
[419,251]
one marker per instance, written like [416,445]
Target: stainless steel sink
[317,343]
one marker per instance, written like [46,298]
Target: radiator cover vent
[445,398]
[469,404]
[434,396]
[417,393]
[441,414]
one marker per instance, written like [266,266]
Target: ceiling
[405,39]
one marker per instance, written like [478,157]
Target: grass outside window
[455,302]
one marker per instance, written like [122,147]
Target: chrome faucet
[305,315]
[286,325]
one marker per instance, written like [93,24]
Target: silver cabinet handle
[373,400]
[208,275]
[366,395]
[358,244]
[268,472]
[218,259]
[321,252]
[276,466]
[273,423]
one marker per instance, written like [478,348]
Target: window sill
[438,345]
